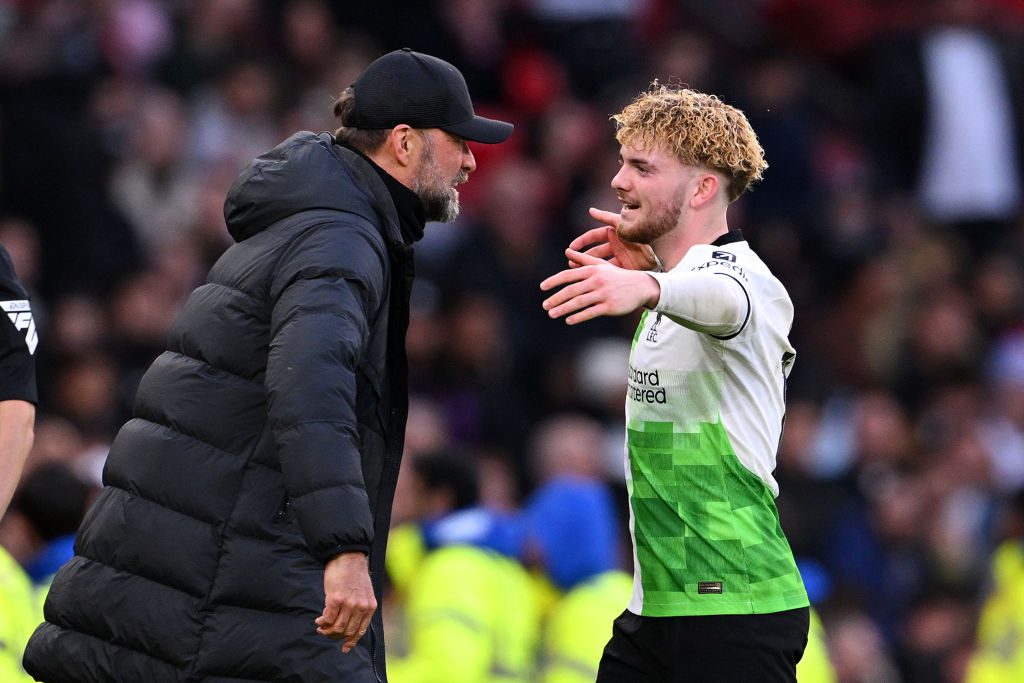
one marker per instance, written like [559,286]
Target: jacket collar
[368,178]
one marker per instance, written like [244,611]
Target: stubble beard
[438,194]
[658,224]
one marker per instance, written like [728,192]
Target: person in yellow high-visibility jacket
[999,656]
[469,613]
[580,625]
[570,533]
[815,666]
[18,618]
[468,620]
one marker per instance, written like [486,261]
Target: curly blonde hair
[699,129]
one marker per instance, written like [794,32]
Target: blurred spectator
[87,395]
[135,34]
[310,43]
[21,241]
[468,608]
[571,533]
[581,33]
[208,36]
[937,640]
[17,618]
[154,187]
[777,109]
[949,122]
[816,665]
[568,446]
[858,651]
[688,57]
[53,500]
[234,119]
[1000,653]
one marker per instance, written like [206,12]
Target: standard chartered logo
[645,386]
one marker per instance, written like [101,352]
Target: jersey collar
[728,238]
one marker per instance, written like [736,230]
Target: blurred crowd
[892,212]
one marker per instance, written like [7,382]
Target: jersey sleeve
[712,302]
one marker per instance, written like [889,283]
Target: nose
[468,160]
[621,181]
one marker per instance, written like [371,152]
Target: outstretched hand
[349,601]
[593,287]
[612,248]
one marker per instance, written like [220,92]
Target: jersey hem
[676,609]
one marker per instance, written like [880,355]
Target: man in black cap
[242,525]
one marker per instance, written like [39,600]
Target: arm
[18,341]
[712,303]
[325,289]
[17,419]
[708,302]
[596,288]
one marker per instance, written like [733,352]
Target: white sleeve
[713,303]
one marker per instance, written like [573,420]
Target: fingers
[360,630]
[587,314]
[601,251]
[333,628]
[577,303]
[593,236]
[612,219]
[564,278]
[346,618]
[332,608]
[559,298]
[582,258]
[352,631]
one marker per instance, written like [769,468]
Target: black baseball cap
[421,91]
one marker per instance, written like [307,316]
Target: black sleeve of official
[18,337]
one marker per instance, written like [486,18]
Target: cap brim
[479,129]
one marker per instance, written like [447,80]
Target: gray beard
[440,204]
[440,199]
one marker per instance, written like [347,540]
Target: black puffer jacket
[266,439]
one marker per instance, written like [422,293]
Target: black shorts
[713,649]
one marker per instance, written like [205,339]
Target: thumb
[583,259]
[607,217]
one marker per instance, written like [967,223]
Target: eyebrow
[636,161]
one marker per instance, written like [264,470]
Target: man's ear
[707,188]
[401,143]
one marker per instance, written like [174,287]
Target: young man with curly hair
[717,595]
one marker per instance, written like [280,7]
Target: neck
[672,247]
[401,173]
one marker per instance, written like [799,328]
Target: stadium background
[122,123]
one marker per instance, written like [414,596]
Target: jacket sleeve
[325,291]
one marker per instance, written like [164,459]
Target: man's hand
[612,248]
[350,602]
[594,287]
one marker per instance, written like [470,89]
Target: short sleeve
[18,337]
